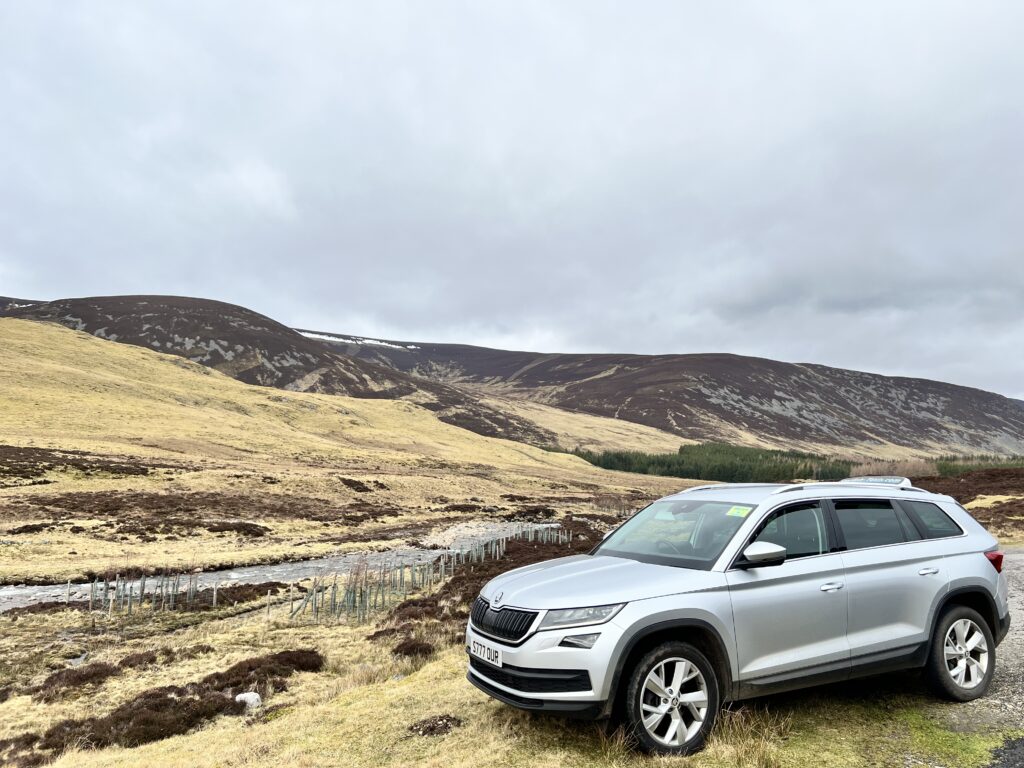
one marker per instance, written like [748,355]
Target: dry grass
[901,468]
[750,737]
[358,710]
[68,390]
[595,433]
[364,721]
[984,502]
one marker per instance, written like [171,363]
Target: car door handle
[832,586]
[927,571]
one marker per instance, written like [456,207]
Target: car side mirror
[762,553]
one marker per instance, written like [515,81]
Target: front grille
[534,680]
[507,624]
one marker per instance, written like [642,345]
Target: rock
[251,700]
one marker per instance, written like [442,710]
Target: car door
[790,619]
[893,576]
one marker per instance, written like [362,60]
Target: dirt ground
[995,497]
[970,485]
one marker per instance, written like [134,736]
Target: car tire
[962,656]
[672,699]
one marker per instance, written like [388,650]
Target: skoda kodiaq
[725,592]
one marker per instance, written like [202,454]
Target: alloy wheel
[966,653]
[674,701]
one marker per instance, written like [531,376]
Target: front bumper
[584,710]
[543,676]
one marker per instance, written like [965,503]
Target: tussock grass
[750,737]
[358,709]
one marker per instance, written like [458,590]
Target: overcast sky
[814,182]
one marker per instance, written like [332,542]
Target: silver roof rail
[793,487]
[892,481]
[728,485]
[899,483]
[700,487]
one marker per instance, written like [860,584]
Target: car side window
[800,529]
[871,523]
[935,523]
[910,530]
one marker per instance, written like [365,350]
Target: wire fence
[352,595]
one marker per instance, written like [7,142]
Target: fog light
[580,641]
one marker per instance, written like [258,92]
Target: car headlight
[579,617]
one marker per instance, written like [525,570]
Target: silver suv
[726,592]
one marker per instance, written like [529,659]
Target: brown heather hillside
[254,349]
[547,399]
[729,398]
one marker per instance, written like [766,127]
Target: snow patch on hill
[354,340]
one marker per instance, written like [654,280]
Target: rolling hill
[7,301]
[255,349]
[724,397]
[106,445]
[550,399]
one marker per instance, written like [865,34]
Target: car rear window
[910,529]
[935,523]
[868,523]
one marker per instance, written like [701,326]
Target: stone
[251,700]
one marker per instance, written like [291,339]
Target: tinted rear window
[909,528]
[869,524]
[935,523]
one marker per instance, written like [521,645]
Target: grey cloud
[818,182]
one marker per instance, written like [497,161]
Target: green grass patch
[727,463]
[866,724]
[929,737]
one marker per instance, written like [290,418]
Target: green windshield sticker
[739,511]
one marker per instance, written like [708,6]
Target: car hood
[584,580]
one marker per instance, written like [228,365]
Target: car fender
[673,619]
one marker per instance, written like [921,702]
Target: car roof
[748,493]
[758,493]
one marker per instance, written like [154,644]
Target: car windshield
[685,533]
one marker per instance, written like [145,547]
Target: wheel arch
[975,597]
[701,634]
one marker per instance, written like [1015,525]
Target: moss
[929,737]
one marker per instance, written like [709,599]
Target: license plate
[485,652]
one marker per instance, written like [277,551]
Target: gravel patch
[1003,705]
[1010,755]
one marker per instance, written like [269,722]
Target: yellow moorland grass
[68,390]
[983,502]
[585,431]
[358,710]
[358,713]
